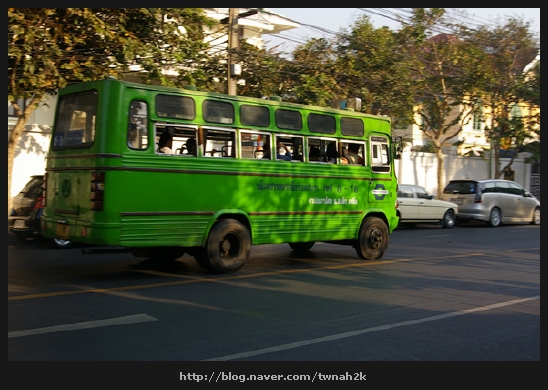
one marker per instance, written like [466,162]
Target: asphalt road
[468,294]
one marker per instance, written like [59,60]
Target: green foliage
[374,69]
[503,53]
[262,72]
[429,147]
[393,72]
[49,48]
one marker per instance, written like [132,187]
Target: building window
[478,117]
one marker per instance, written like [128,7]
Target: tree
[49,48]
[374,69]
[506,51]
[262,71]
[444,70]
[313,73]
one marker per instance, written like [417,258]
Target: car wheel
[448,220]
[536,217]
[494,218]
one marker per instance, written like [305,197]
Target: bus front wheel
[373,239]
[228,246]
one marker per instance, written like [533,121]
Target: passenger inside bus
[352,154]
[190,146]
[314,154]
[286,156]
[279,156]
[332,154]
[165,143]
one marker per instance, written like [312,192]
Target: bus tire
[228,246]
[373,239]
[301,246]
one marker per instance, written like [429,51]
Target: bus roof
[273,101]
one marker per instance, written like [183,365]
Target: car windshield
[460,187]
[30,188]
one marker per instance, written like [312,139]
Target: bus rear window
[75,124]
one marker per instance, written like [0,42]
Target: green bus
[238,172]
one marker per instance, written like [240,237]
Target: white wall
[30,154]
[421,168]
[30,158]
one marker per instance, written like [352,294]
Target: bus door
[383,185]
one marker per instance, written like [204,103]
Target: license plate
[62,231]
[19,224]
[456,200]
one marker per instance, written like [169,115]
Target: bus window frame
[179,139]
[383,163]
[138,125]
[234,139]
[363,148]
[256,147]
[64,124]
[285,137]
[324,141]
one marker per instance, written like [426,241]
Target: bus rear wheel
[373,239]
[228,246]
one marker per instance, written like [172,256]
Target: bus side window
[252,144]
[289,148]
[189,147]
[314,153]
[219,143]
[353,152]
[380,155]
[137,135]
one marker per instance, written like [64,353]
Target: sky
[333,19]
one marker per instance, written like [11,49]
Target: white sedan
[415,205]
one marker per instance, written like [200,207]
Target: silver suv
[493,201]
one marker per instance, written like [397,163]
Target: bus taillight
[97,190]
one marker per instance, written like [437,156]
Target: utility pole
[233,44]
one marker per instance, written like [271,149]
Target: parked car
[26,214]
[415,205]
[494,201]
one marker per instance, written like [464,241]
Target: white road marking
[339,336]
[133,319]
